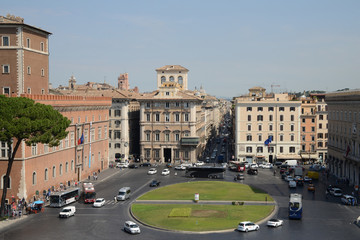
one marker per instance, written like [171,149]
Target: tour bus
[295,206]
[88,192]
[62,198]
[205,172]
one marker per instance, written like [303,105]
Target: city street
[322,218]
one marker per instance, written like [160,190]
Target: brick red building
[38,168]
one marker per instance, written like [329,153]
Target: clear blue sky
[228,46]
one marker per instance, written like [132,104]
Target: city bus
[62,198]
[295,206]
[205,172]
[88,192]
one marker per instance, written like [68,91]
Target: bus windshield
[294,205]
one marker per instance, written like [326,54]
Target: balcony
[189,141]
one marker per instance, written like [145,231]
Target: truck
[298,171]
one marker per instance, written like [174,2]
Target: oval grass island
[173,207]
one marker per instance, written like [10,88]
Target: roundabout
[221,206]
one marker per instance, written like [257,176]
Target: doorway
[167,155]
[270,158]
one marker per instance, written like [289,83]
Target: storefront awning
[288,157]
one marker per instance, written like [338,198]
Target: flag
[268,141]
[347,150]
[81,139]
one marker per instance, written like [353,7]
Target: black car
[133,166]
[154,183]
[252,171]
[145,164]
[239,176]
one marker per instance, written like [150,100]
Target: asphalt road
[322,218]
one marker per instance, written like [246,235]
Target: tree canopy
[21,119]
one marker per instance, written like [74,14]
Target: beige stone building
[24,57]
[344,135]
[258,117]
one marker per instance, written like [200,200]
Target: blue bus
[295,206]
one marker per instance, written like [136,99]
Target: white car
[122,165]
[274,222]
[152,171]
[99,202]
[289,178]
[267,165]
[254,165]
[292,184]
[348,200]
[131,227]
[180,167]
[200,163]
[337,192]
[247,226]
[165,172]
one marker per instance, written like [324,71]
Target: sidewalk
[7,223]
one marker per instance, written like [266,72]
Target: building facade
[259,117]
[83,152]
[24,57]
[344,135]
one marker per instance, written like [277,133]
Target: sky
[228,46]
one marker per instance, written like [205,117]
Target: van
[290,162]
[124,193]
[67,212]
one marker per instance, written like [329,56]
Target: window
[147,153]
[167,137]
[28,42]
[171,78]
[5,41]
[177,117]
[260,109]
[28,70]
[292,138]
[292,109]
[249,149]
[42,72]
[42,46]
[281,138]
[157,137]
[259,149]
[260,117]
[167,117]
[281,109]
[259,137]
[99,133]
[163,79]
[177,104]
[303,147]
[260,129]
[281,118]
[6,69]
[3,182]
[186,117]
[72,165]
[147,137]
[54,171]
[249,137]
[249,117]
[167,105]
[320,126]
[34,178]
[148,117]
[270,127]
[320,135]
[180,80]
[292,118]
[281,149]
[156,153]
[61,169]
[320,144]
[34,149]
[249,127]
[249,109]
[292,149]
[177,137]
[6,90]
[270,118]
[303,138]
[29,90]
[117,145]
[313,129]
[281,127]
[46,174]
[312,138]
[292,127]
[157,117]
[117,113]
[321,117]
[303,129]
[117,134]
[66,167]
[303,120]
[271,109]
[186,105]
[313,120]
[147,105]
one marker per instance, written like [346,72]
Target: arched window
[180,80]
[60,169]
[171,78]
[72,165]
[3,182]
[66,167]
[46,174]
[163,79]
[34,178]
[54,171]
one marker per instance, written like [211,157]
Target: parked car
[145,164]
[348,200]
[274,222]
[247,226]
[252,171]
[267,166]
[131,227]
[200,163]
[152,171]
[154,183]
[254,165]
[337,192]
[122,165]
[99,202]
[239,176]
[165,172]
[133,165]
[67,212]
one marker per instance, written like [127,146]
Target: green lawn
[201,217]
[208,190]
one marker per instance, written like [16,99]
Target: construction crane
[272,86]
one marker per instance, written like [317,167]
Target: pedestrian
[115,199]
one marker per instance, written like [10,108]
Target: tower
[72,82]
[123,81]
[172,74]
